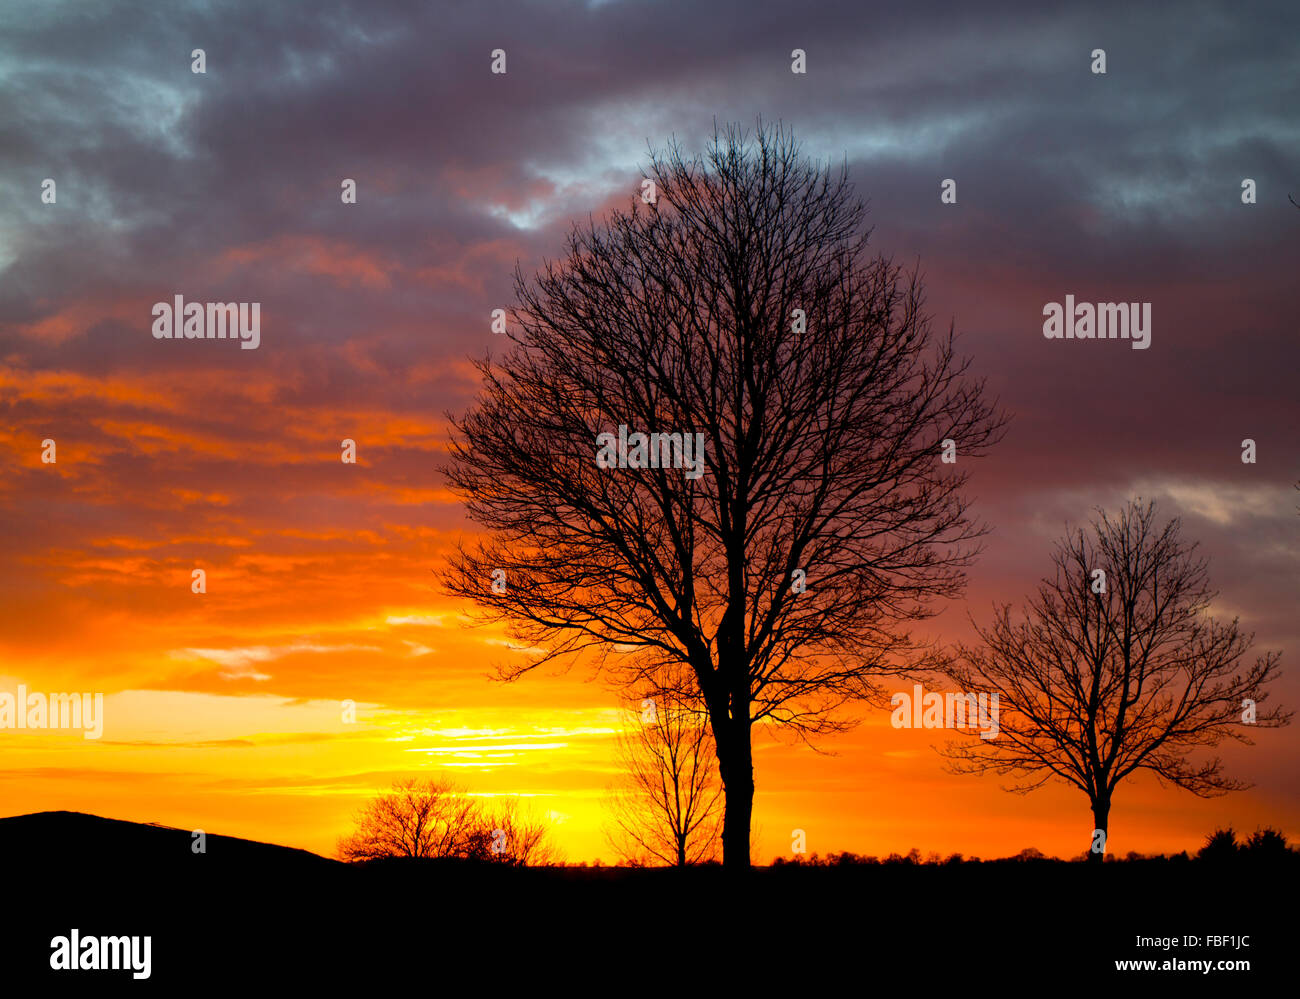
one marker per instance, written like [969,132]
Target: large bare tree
[1115,667]
[781,556]
[667,804]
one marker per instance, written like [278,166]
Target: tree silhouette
[418,818]
[1095,686]
[434,818]
[667,806]
[818,521]
[1266,844]
[505,833]
[1220,846]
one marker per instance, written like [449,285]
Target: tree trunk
[681,851]
[736,764]
[1100,820]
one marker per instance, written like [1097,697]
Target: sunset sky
[222,710]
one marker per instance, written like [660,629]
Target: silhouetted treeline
[1221,846]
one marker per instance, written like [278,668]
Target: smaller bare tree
[667,806]
[427,817]
[506,833]
[433,817]
[1117,667]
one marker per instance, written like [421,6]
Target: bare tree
[780,557]
[506,833]
[667,805]
[433,817]
[428,817]
[1116,667]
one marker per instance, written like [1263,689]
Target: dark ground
[261,916]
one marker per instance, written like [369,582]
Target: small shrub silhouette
[1220,845]
[1266,844]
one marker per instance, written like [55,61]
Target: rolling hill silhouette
[55,836]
